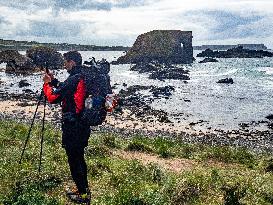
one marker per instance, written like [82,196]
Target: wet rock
[226,80]
[16,62]
[238,52]
[138,104]
[23,104]
[133,89]
[27,91]
[147,67]
[207,60]
[162,91]
[161,71]
[45,57]
[269,117]
[23,83]
[174,74]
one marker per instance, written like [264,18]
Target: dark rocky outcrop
[16,62]
[269,117]
[209,60]
[45,57]
[226,80]
[162,91]
[162,71]
[164,46]
[34,60]
[139,104]
[174,74]
[23,83]
[238,52]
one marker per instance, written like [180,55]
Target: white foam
[267,70]
[206,74]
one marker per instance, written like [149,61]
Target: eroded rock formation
[164,46]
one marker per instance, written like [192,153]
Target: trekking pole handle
[47,70]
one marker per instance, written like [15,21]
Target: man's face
[68,64]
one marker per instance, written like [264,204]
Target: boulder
[209,60]
[23,83]
[269,117]
[16,62]
[162,91]
[226,80]
[35,59]
[45,57]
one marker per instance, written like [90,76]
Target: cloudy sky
[119,22]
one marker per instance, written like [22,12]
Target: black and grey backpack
[97,81]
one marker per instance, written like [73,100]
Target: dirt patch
[173,164]
[176,165]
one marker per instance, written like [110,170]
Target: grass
[221,175]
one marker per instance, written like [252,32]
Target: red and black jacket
[70,93]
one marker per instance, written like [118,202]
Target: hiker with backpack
[83,98]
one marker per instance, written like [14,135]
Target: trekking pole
[29,131]
[42,136]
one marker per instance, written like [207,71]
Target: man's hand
[46,78]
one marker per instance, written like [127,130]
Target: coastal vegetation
[133,170]
[25,45]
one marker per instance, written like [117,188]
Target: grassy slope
[222,175]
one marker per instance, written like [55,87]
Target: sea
[201,99]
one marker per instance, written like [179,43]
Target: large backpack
[97,81]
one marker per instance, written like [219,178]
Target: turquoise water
[250,98]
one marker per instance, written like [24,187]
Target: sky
[119,22]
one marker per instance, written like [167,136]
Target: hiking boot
[71,191]
[78,198]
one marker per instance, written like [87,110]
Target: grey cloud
[26,4]
[4,21]
[52,29]
[232,25]
[71,4]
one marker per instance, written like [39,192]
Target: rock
[45,57]
[207,60]
[226,80]
[146,67]
[28,91]
[124,84]
[162,91]
[161,71]
[269,117]
[238,52]
[35,59]
[12,55]
[16,62]
[175,74]
[23,83]
[163,46]
[23,104]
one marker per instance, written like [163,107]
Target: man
[75,133]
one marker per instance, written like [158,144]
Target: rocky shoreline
[138,118]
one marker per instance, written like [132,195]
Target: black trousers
[74,140]
[78,167]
